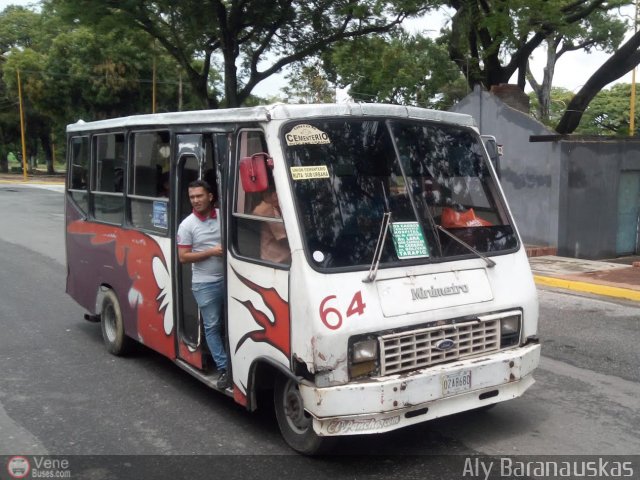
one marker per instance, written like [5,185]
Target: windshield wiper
[384,228]
[382,236]
[490,263]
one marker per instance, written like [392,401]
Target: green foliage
[18,25]
[560,98]
[608,113]
[70,72]
[491,41]
[308,84]
[403,69]
[245,40]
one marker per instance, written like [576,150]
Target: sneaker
[224,381]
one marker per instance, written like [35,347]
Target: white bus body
[407,295]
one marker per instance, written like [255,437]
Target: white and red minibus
[406,294]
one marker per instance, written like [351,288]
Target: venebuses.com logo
[18,467]
[41,466]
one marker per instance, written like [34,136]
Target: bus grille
[401,352]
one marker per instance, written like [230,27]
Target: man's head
[200,196]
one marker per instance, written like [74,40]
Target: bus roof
[279,111]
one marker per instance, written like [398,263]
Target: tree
[308,84]
[490,42]
[598,31]
[398,68]
[618,64]
[20,30]
[71,72]
[95,76]
[558,101]
[608,112]
[247,40]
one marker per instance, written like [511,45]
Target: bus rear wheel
[115,340]
[296,425]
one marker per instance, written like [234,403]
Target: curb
[605,290]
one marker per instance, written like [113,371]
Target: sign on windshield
[409,240]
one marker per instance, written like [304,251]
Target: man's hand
[189,256]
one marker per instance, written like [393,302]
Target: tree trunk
[231,99]
[45,140]
[621,62]
[544,93]
[4,161]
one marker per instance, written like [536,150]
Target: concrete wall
[530,172]
[589,212]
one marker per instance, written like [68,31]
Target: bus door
[258,267]
[198,156]
[189,336]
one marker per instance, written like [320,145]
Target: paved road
[62,394]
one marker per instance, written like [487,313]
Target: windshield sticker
[305,134]
[409,240]
[307,173]
[160,218]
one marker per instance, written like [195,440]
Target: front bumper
[389,403]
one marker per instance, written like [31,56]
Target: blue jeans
[210,297]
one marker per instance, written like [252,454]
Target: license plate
[453,383]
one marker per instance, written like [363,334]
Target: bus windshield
[347,174]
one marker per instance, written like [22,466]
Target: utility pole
[632,106]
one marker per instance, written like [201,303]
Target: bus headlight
[365,350]
[510,331]
[364,356]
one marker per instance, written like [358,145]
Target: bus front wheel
[296,425]
[115,340]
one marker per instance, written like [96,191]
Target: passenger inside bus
[274,246]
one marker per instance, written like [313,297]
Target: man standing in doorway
[199,244]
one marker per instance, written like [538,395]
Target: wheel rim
[298,420]
[109,321]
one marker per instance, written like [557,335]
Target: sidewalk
[596,277]
[37,178]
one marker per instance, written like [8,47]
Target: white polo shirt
[200,233]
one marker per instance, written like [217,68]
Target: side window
[79,171]
[258,228]
[108,177]
[149,181]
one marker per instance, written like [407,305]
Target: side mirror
[253,172]
[494,150]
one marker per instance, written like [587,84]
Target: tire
[115,340]
[296,425]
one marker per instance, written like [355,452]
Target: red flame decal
[276,334]
[137,251]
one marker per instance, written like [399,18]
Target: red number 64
[356,306]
